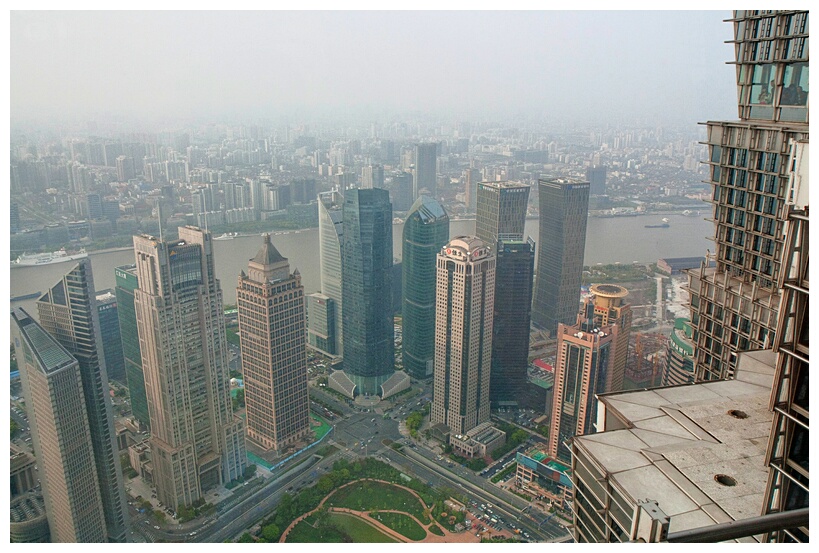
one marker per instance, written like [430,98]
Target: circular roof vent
[725,480]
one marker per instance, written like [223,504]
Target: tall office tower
[270,302]
[470,179]
[367,324]
[372,176]
[93,206]
[321,323]
[401,191]
[331,235]
[605,307]
[54,392]
[679,356]
[15,217]
[126,170]
[734,306]
[68,312]
[501,211]
[511,320]
[426,230]
[426,163]
[596,175]
[787,454]
[463,334]
[111,337]
[583,360]
[196,441]
[564,207]
[126,284]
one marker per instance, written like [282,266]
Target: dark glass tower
[511,320]
[501,211]
[426,230]
[127,282]
[111,339]
[68,312]
[426,160]
[564,207]
[367,325]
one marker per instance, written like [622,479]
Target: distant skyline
[619,66]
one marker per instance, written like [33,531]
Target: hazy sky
[590,64]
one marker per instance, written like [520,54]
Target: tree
[14,428]
[246,538]
[250,470]
[271,532]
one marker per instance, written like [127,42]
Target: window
[795,91]
[762,84]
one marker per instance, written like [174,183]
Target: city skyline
[678,56]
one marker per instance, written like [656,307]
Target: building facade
[54,391]
[679,358]
[111,337]
[270,304]
[584,356]
[321,323]
[367,322]
[515,265]
[734,306]
[606,306]
[463,334]
[426,170]
[126,283]
[564,207]
[331,235]
[68,312]
[426,230]
[501,211]
[196,441]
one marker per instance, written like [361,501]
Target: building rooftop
[429,210]
[51,356]
[697,449]
[268,254]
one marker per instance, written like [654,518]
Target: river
[608,240]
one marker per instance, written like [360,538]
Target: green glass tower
[426,230]
[127,282]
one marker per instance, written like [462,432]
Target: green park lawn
[401,523]
[376,496]
[336,528]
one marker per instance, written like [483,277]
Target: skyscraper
[583,360]
[605,307]
[500,222]
[127,282]
[511,320]
[372,176]
[426,170]
[367,323]
[596,175]
[68,312]
[196,441]
[679,356]
[501,211]
[111,338]
[53,388]
[321,323]
[463,334]
[734,306]
[331,234]
[426,230]
[564,206]
[270,303]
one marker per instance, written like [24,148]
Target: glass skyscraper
[367,322]
[426,230]
[331,234]
[564,207]
[127,282]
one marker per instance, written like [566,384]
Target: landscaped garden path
[447,537]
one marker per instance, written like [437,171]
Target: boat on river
[60,256]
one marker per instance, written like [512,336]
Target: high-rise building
[111,337]
[321,323]
[501,211]
[270,304]
[500,222]
[15,217]
[463,334]
[564,207]
[372,176]
[470,178]
[126,283]
[68,312]
[596,175]
[196,441]
[605,307]
[401,191]
[511,325]
[426,163]
[53,388]
[426,230]
[787,455]
[679,357]
[734,306]
[584,354]
[331,234]
[367,322]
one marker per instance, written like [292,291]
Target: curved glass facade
[426,231]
